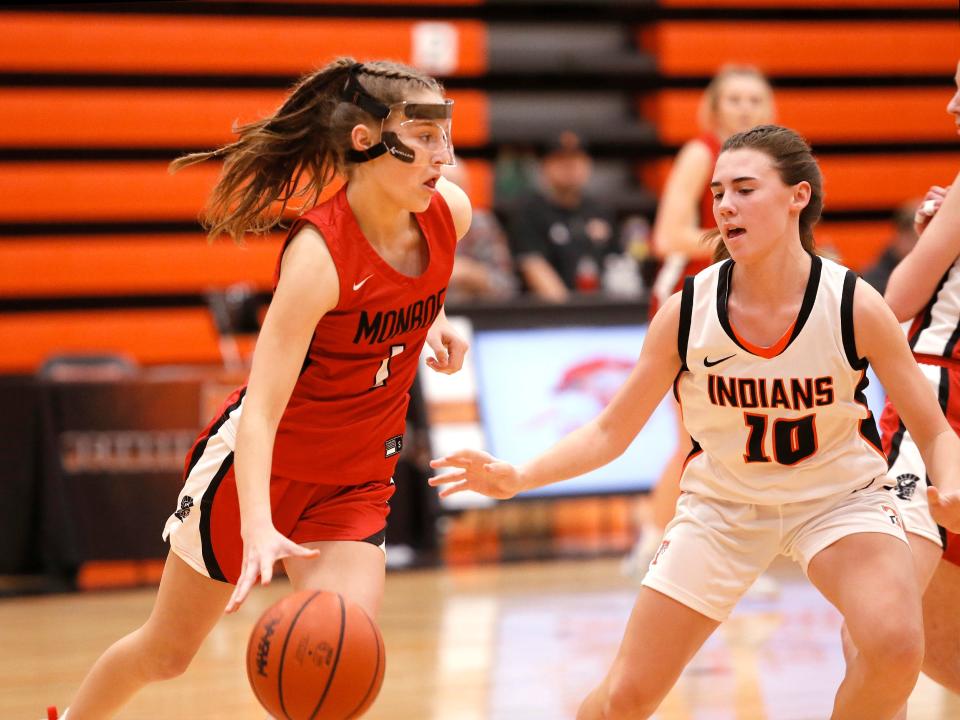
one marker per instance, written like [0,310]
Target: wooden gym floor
[496,642]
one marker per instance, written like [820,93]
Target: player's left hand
[448,347]
[945,508]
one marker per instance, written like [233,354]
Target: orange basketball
[315,656]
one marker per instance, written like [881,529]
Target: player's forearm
[253,461]
[909,288]
[941,456]
[586,448]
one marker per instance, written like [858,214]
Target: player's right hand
[261,549]
[477,471]
[928,208]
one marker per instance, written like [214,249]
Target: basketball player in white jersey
[925,287]
[767,353]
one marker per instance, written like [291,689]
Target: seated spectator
[482,267]
[559,237]
[903,240]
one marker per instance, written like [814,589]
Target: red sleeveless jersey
[706,221]
[345,419]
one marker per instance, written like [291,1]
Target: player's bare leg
[356,570]
[926,556]
[661,638]
[942,626]
[869,578]
[188,606]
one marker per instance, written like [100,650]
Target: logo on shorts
[660,550]
[184,510]
[906,485]
[892,514]
[393,446]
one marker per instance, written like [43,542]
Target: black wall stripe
[283,651]
[336,659]
[202,445]
[846,323]
[686,311]
[206,512]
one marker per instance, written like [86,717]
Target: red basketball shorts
[204,529]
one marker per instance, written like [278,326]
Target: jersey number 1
[384,372]
[793,440]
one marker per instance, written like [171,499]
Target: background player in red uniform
[776,480]
[737,98]
[317,430]
[925,287]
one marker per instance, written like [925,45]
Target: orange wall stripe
[856,244]
[131,191]
[103,191]
[857,182]
[883,180]
[120,117]
[827,115]
[802,48]
[171,335]
[158,43]
[132,264]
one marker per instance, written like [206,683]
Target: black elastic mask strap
[371,153]
[353,92]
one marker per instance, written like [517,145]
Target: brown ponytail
[308,135]
[794,161]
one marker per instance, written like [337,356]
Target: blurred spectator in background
[737,98]
[902,242]
[559,237]
[483,267]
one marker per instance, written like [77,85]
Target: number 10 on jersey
[793,440]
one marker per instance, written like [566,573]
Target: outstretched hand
[260,552]
[945,508]
[477,471]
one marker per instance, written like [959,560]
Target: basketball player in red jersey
[297,466]
[925,287]
[767,352]
[737,98]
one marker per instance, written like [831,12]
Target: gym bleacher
[102,253]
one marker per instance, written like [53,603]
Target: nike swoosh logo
[358,285]
[710,363]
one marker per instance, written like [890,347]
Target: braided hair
[307,137]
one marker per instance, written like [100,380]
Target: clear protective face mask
[424,134]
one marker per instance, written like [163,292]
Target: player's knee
[627,700]
[167,662]
[895,644]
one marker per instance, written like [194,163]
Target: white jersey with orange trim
[782,424]
[936,330]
